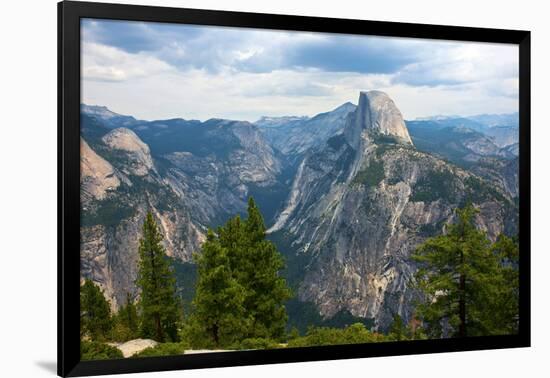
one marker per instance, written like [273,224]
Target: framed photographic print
[239,188]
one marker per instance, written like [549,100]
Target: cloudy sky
[160,71]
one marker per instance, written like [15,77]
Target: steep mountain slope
[377,112]
[348,194]
[135,153]
[512,149]
[231,160]
[502,173]
[460,145]
[110,119]
[115,197]
[97,176]
[441,122]
[359,206]
[493,120]
[216,165]
[504,136]
[188,184]
[295,135]
[501,129]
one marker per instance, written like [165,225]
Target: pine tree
[95,312]
[255,227]
[126,322]
[129,316]
[502,299]
[466,282]
[239,292]
[256,263]
[159,304]
[219,317]
[398,329]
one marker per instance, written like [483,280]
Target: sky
[161,71]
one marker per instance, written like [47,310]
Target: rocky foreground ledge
[131,347]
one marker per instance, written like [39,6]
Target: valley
[347,195]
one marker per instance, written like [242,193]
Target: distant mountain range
[487,120]
[347,194]
[502,130]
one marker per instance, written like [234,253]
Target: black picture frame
[69,15]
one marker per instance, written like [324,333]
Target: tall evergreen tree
[466,281]
[256,263]
[95,312]
[255,227]
[159,304]
[504,293]
[219,317]
[239,292]
[126,322]
[129,315]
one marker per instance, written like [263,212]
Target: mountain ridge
[326,182]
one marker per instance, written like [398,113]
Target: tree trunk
[160,335]
[215,335]
[462,290]
[462,306]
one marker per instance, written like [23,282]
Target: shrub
[125,322]
[92,350]
[354,334]
[386,139]
[195,335]
[121,333]
[164,349]
[434,186]
[479,190]
[107,212]
[370,176]
[255,343]
[95,312]
[293,334]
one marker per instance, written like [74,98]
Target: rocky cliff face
[496,134]
[295,135]
[458,144]
[504,136]
[501,173]
[377,112]
[217,185]
[122,179]
[360,205]
[115,198]
[136,154]
[350,190]
[97,176]
[109,252]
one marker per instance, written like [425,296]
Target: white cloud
[230,73]
[199,94]
[448,63]
[100,62]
